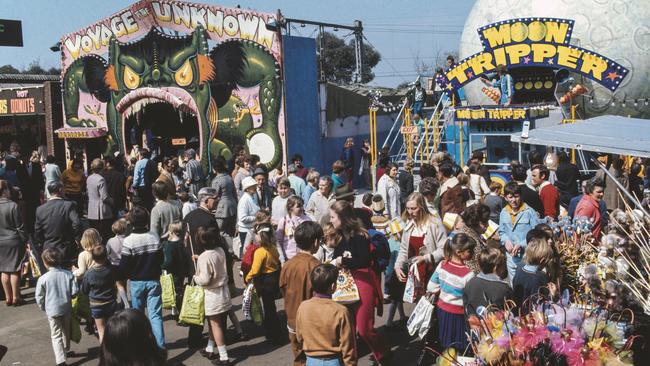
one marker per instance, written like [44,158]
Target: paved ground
[25,331]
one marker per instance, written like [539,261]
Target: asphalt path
[25,332]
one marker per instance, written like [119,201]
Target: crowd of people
[106,236]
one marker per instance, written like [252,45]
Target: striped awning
[81,132]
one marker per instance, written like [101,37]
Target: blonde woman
[423,239]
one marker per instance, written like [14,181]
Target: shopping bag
[168,291]
[346,289]
[75,329]
[257,313]
[247,301]
[251,305]
[414,288]
[33,264]
[420,320]
[81,306]
[193,309]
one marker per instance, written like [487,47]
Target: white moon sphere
[616,29]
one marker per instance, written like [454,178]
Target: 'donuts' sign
[535,42]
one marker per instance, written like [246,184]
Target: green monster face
[171,71]
[172,92]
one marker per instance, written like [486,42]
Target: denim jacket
[54,292]
[525,220]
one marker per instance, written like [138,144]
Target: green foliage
[339,62]
[34,68]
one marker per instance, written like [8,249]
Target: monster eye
[131,78]
[184,75]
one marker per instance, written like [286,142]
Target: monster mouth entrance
[161,127]
[165,120]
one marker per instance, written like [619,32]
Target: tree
[339,63]
[34,68]
[8,69]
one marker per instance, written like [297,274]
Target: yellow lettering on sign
[497,36]
[568,56]
[517,51]
[536,31]
[3,106]
[463,114]
[543,51]
[500,56]
[458,73]
[481,63]
[520,114]
[594,65]
[556,32]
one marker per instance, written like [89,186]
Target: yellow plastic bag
[168,291]
[193,309]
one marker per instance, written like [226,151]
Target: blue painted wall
[302,109]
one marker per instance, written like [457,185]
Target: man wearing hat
[344,193]
[246,210]
[297,183]
[202,217]
[264,193]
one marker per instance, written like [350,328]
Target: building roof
[605,134]
[27,78]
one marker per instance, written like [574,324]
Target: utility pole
[358,50]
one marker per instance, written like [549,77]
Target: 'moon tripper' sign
[534,42]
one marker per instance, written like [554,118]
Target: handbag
[193,309]
[414,288]
[346,289]
[420,320]
[33,264]
[168,291]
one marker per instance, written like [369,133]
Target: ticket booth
[488,129]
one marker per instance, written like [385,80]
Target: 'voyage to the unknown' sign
[539,42]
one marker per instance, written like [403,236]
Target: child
[295,282]
[366,202]
[279,204]
[331,238]
[99,285]
[265,274]
[530,277]
[189,204]
[89,239]
[447,283]
[286,226]
[324,328]
[175,261]
[211,274]
[263,217]
[54,292]
[494,201]
[114,253]
[488,287]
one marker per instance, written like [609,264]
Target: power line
[387,62]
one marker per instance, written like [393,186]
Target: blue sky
[400,30]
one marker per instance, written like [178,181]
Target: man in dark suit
[528,195]
[57,224]
[567,176]
[115,184]
[31,182]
